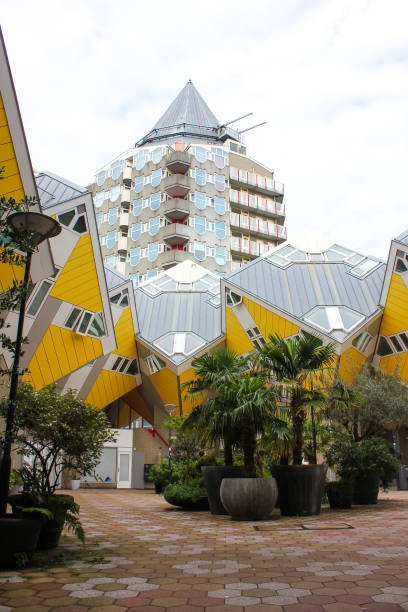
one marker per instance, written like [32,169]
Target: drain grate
[305,527]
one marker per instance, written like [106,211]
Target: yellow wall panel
[395,318]
[351,362]
[268,322]
[188,404]
[125,335]
[11,184]
[78,282]
[165,382]
[8,274]
[109,387]
[397,365]
[236,338]
[60,352]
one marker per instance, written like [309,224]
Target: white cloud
[92,77]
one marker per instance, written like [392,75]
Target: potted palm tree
[297,366]
[214,374]
[256,411]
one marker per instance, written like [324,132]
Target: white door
[124,468]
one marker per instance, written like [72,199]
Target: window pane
[100,178]
[134,256]
[199,251]
[156,177]
[219,182]
[396,344]
[66,217]
[97,327]
[157,155]
[200,154]
[38,298]
[404,338]
[220,229]
[73,317]
[153,251]
[155,201]
[84,323]
[116,364]
[139,184]
[99,199]
[133,368]
[124,364]
[220,256]
[135,231]
[219,205]
[115,193]
[112,215]
[200,200]
[137,207]
[154,225]
[199,225]
[384,348]
[200,176]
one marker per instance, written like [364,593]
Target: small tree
[375,404]
[59,432]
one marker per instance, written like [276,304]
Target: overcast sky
[330,77]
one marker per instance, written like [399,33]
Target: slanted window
[255,337]
[232,298]
[401,262]
[384,347]
[73,318]
[38,298]
[154,364]
[363,341]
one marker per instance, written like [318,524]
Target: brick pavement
[144,555]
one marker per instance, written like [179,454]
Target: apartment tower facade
[187,190]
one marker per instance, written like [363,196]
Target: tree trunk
[228,459]
[249,448]
[298,425]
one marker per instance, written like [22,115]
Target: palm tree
[296,365]
[215,373]
[255,412]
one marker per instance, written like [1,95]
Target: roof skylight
[359,264]
[179,344]
[335,320]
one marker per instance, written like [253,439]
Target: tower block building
[188,190]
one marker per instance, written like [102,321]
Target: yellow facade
[395,320]
[351,362]
[108,387]
[269,322]
[60,352]
[237,340]
[78,282]
[125,336]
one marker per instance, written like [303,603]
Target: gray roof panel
[403,238]
[114,278]
[54,189]
[302,286]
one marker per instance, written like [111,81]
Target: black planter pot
[366,489]
[187,504]
[340,494]
[300,488]
[249,499]
[18,537]
[50,531]
[213,476]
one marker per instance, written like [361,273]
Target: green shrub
[185,492]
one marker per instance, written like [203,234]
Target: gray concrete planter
[249,499]
[213,475]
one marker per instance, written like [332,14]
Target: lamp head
[36,226]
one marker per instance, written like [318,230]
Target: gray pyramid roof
[403,238]
[187,115]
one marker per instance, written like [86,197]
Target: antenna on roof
[237,119]
[252,127]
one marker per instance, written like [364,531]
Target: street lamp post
[35,228]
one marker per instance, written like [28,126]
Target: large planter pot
[50,531]
[366,489]
[340,494]
[74,484]
[249,499]
[213,476]
[18,537]
[187,504]
[300,488]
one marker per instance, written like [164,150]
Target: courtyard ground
[142,554]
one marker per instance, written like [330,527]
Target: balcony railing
[264,205]
[256,180]
[250,247]
[259,226]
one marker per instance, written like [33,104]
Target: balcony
[177,185]
[124,219]
[176,208]
[122,243]
[248,247]
[127,175]
[178,162]
[176,233]
[125,196]
[264,206]
[171,258]
[258,227]
[256,182]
